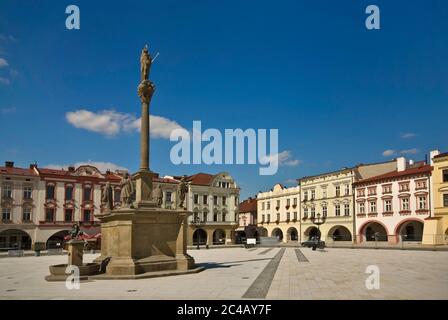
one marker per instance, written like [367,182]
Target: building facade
[331,196]
[393,206]
[436,226]
[247,220]
[40,205]
[278,213]
[214,201]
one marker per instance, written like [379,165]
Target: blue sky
[339,94]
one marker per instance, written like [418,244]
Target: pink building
[393,206]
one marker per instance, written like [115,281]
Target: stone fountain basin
[87,269]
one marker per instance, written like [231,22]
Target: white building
[278,213]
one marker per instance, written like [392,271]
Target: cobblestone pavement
[234,273]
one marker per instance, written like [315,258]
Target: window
[361,192]
[295,202]
[338,210]
[305,213]
[49,195]
[362,207]
[195,198]
[6,214]
[87,193]
[262,218]
[346,209]
[27,192]
[262,206]
[422,202]
[288,202]
[445,200]
[313,212]
[295,215]
[26,214]
[445,175]
[387,189]
[269,218]
[49,215]
[347,189]
[278,203]
[86,215]
[215,200]
[215,216]
[305,196]
[313,194]
[324,211]
[338,191]
[68,193]
[420,184]
[7,191]
[404,187]
[372,191]
[278,216]
[405,204]
[372,207]
[224,216]
[268,205]
[204,199]
[288,216]
[224,201]
[117,193]
[168,196]
[388,205]
[68,215]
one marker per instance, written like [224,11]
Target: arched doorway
[311,232]
[219,236]
[293,235]
[340,233]
[410,230]
[56,241]
[14,239]
[199,235]
[263,232]
[374,231]
[240,237]
[278,234]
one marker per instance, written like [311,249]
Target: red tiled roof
[249,205]
[17,171]
[165,180]
[395,174]
[202,179]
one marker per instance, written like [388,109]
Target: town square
[178,156]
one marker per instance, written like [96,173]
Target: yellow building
[436,227]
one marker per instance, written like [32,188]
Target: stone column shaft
[144,137]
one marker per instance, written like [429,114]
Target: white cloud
[408,135]
[389,152]
[5,81]
[409,151]
[281,159]
[3,63]
[102,166]
[111,122]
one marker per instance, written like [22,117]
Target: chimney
[33,166]
[401,164]
[9,164]
[432,154]
[411,162]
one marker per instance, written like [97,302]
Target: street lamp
[318,220]
[197,224]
